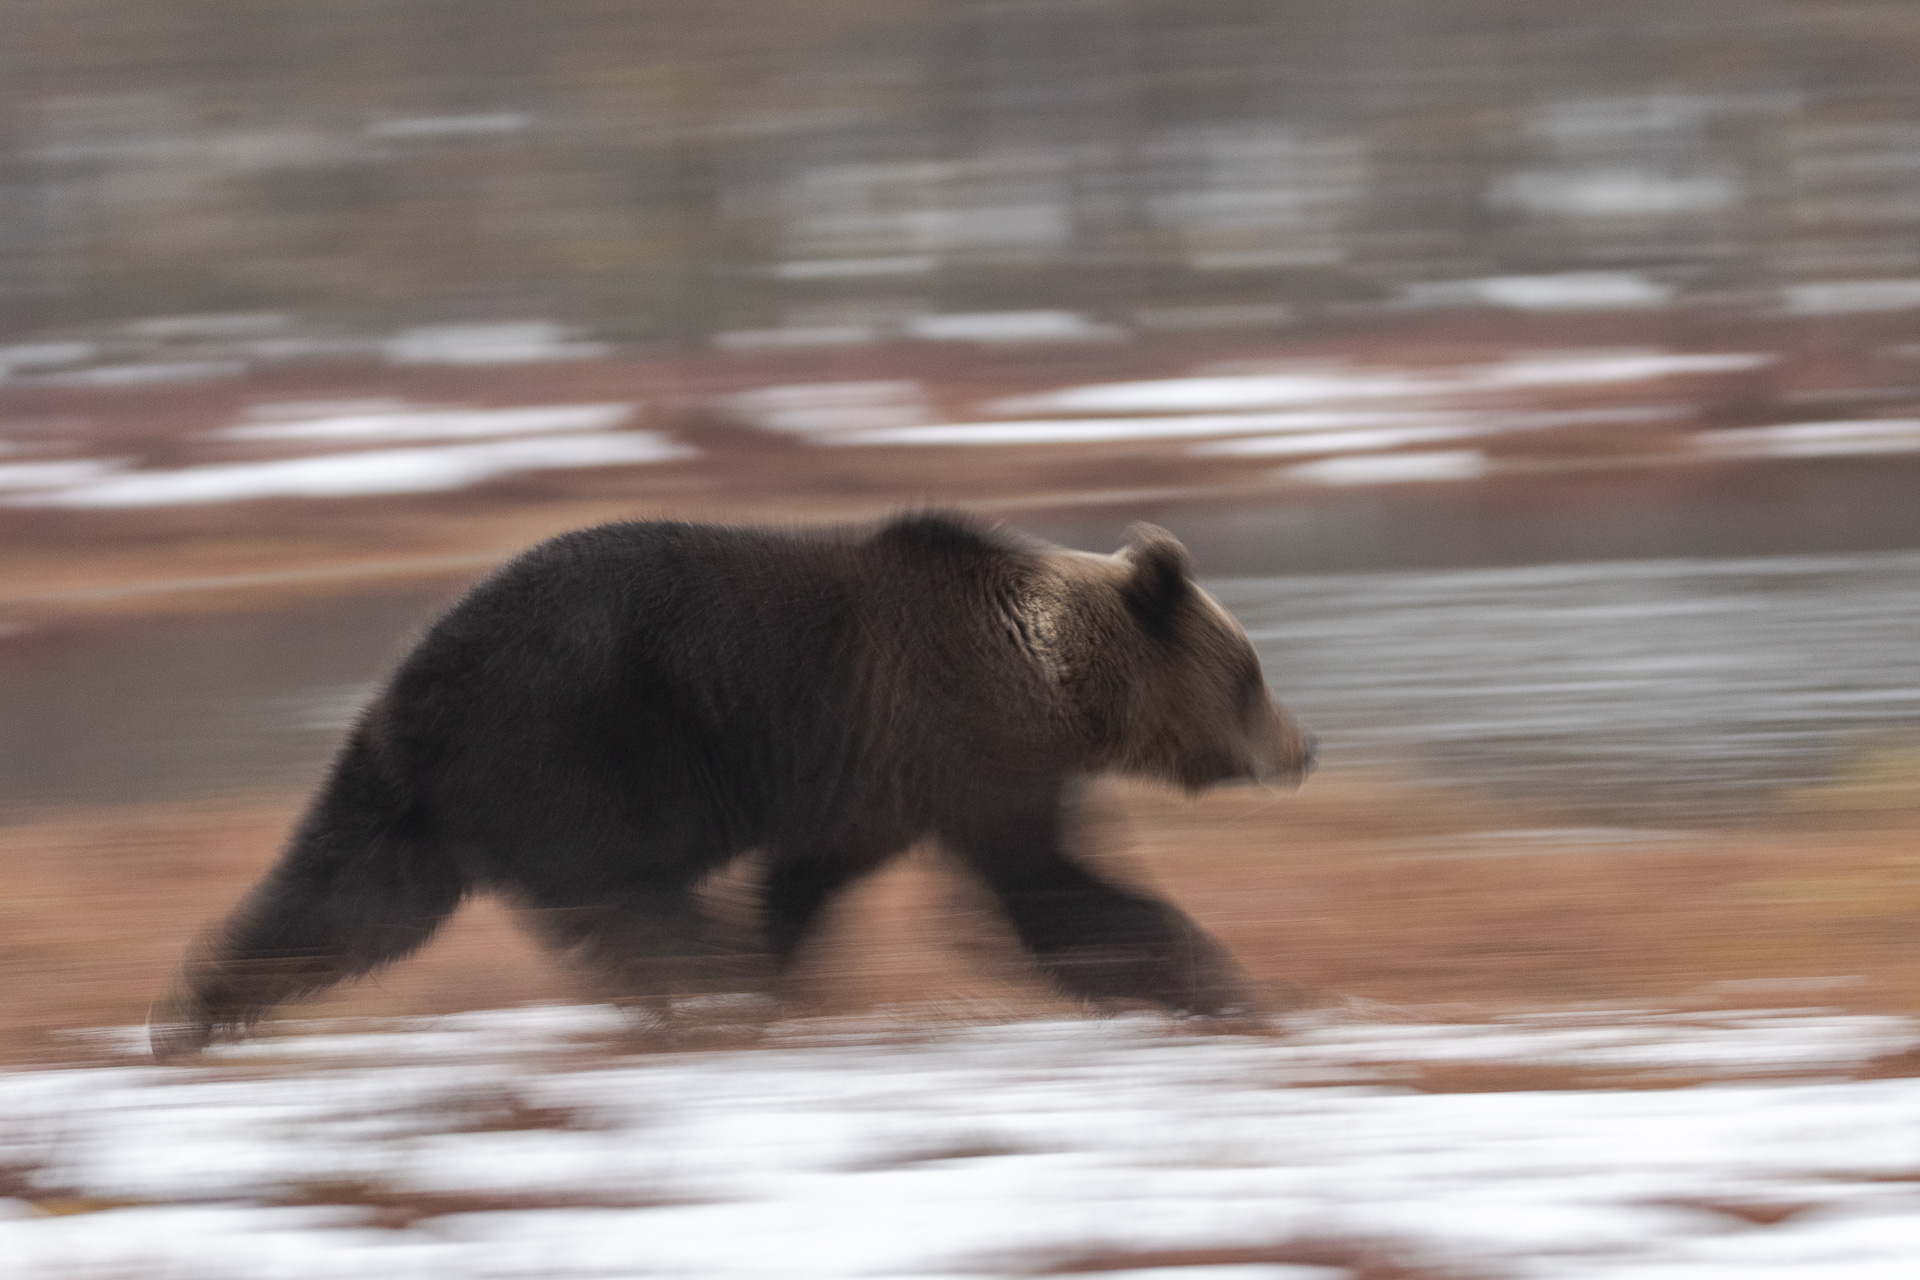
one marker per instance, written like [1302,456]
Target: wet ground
[1671,690]
[125,709]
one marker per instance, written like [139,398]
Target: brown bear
[623,710]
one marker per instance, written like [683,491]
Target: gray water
[117,709]
[1677,689]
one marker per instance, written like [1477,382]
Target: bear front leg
[1092,938]
[800,882]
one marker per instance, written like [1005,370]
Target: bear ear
[1160,577]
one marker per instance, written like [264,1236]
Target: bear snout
[1287,754]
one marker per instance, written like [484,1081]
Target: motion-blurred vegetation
[1878,774]
[660,170]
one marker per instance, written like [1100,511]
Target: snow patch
[812,408]
[210,326]
[1391,468]
[517,342]
[140,374]
[382,471]
[1576,368]
[41,356]
[1562,291]
[820,335]
[908,264]
[1011,327]
[1840,297]
[1309,426]
[1253,1271]
[386,420]
[57,475]
[870,1148]
[1814,439]
[1274,390]
[1220,392]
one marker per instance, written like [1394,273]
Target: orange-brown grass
[1409,895]
[97,907]
[1391,892]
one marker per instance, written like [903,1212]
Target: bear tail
[360,885]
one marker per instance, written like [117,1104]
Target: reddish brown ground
[1372,889]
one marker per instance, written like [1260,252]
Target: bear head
[1158,678]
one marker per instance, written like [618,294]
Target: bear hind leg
[350,895]
[644,945]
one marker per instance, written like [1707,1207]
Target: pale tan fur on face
[1059,607]
[1182,714]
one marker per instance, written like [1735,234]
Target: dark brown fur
[623,710]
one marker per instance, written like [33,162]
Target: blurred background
[653,171]
[1540,383]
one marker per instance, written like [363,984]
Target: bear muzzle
[1284,753]
[1277,752]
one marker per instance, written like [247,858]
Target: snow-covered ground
[1815,439]
[522,1143]
[1297,411]
[1348,416]
[425,469]
[382,420]
[1228,391]
[515,440]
